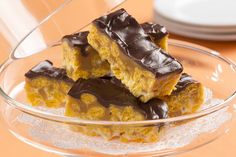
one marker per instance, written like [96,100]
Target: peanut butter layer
[142,66]
[107,99]
[80,60]
[186,98]
[47,85]
[158,33]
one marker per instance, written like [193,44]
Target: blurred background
[211,23]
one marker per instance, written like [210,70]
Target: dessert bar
[80,60]
[107,99]
[145,69]
[47,85]
[186,98]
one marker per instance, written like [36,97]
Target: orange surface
[223,147]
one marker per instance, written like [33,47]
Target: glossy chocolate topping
[156,31]
[136,44]
[78,40]
[46,69]
[105,90]
[109,90]
[155,109]
[183,82]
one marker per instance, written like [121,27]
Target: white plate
[215,37]
[165,21]
[208,13]
[200,35]
[196,32]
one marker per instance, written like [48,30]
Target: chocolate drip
[46,69]
[183,82]
[154,30]
[78,40]
[109,90]
[136,44]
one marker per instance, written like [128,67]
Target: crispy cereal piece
[47,85]
[80,60]
[107,99]
[145,69]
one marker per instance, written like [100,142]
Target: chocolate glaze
[156,31]
[155,109]
[109,90]
[78,40]
[136,44]
[46,69]
[183,82]
[104,89]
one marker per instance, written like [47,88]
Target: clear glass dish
[50,130]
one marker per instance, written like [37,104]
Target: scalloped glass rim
[63,119]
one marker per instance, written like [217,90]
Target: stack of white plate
[203,19]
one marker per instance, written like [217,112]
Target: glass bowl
[49,130]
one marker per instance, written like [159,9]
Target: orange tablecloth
[225,146]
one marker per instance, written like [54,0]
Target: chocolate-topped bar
[80,60]
[158,33]
[47,85]
[141,65]
[184,81]
[107,99]
[115,93]
[78,40]
[186,98]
